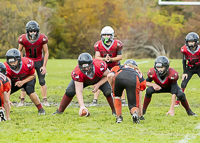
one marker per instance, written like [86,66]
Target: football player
[21,74]
[34,44]
[4,99]
[165,79]
[110,51]
[88,72]
[191,60]
[130,78]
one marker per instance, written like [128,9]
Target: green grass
[27,126]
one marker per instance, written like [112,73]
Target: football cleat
[57,112]
[21,103]
[177,103]
[144,111]
[119,119]
[142,118]
[41,112]
[2,115]
[45,103]
[94,102]
[114,113]
[190,113]
[135,118]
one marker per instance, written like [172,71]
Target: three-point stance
[21,74]
[88,72]
[165,79]
[130,78]
[34,44]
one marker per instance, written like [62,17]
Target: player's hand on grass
[81,109]
[170,112]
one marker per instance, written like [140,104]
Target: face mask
[106,40]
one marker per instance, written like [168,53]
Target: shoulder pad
[151,72]
[119,45]
[183,49]
[173,75]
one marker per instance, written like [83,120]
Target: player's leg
[184,102]
[184,84]
[118,88]
[22,98]
[2,113]
[96,95]
[42,82]
[30,90]
[106,89]
[140,107]
[123,98]
[67,98]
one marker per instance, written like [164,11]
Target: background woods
[73,26]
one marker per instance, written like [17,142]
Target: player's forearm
[100,58]
[102,81]
[117,58]
[46,57]
[6,104]
[150,84]
[29,78]
[173,101]
[79,96]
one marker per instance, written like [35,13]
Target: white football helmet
[107,30]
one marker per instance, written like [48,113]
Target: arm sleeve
[174,88]
[184,64]
[119,52]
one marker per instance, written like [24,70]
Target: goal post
[160,2]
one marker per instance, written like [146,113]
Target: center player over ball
[165,79]
[88,72]
[21,73]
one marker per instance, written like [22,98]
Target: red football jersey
[171,77]
[193,57]
[99,68]
[33,49]
[26,69]
[115,46]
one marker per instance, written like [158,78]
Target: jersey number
[33,53]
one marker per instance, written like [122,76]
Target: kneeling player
[21,73]
[130,78]
[88,72]
[165,79]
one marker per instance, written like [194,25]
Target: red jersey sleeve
[96,48]
[151,73]
[20,39]
[119,45]
[183,49]
[30,66]
[44,39]
[77,75]
[173,75]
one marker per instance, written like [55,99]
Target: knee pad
[107,93]
[70,92]
[183,85]
[149,92]
[181,96]
[29,90]
[41,82]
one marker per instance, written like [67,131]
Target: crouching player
[88,72]
[4,88]
[165,79]
[130,78]
[21,73]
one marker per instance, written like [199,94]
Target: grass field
[100,127]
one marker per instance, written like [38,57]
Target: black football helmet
[3,68]
[192,36]
[130,61]
[13,55]
[84,61]
[32,26]
[160,62]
